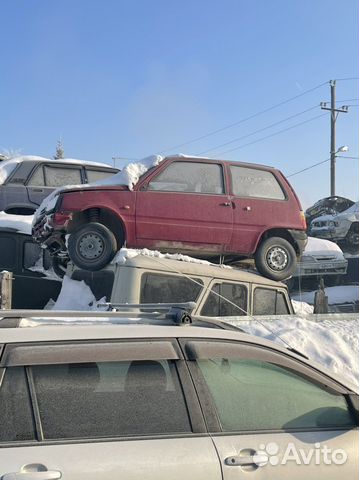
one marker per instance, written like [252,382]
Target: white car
[321,258]
[342,226]
[127,398]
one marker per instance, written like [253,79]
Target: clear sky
[132,78]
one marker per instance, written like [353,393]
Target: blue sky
[132,78]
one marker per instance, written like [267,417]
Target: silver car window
[252,395]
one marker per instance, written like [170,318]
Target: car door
[101,410]
[184,205]
[46,177]
[259,203]
[271,417]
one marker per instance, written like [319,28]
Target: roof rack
[128,313]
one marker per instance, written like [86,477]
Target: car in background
[320,259]
[217,291]
[114,396]
[327,206]
[342,227]
[182,204]
[34,281]
[25,181]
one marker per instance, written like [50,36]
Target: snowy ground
[332,343]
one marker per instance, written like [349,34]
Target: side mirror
[144,187]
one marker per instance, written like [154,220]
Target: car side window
[158,288]
[190,177]
[37,178]
[226,299]
[60,176]
[268,301]
[110,399]
[252,395]
[95,175]
[16,420]
[251,182]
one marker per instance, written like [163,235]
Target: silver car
[116,398]
[25,181]
[342,226]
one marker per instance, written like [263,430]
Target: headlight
[307,258]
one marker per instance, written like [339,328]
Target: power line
[308,168]
[273,134]
[244,119]
[259,130]
[345,79]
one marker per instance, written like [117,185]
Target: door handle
[38,190]
[28,472]
[225,204]
[259,459]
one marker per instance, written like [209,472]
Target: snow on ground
[19,223]
[318,246]
[332,343]
[76,295]
[302,308]
[336,295]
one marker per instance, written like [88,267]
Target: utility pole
[333,117]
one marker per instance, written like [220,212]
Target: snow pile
[19,223]
[333,343]
[336,295]
[76,295]
[318,246]
[131,173]
[302,308]
[128,253]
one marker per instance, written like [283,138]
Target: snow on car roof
[17,223]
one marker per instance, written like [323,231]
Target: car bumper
[321,268]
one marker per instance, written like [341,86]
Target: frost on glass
[250,182]
[189,177]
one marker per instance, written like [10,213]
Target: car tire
[92,246]
[275,258]
[59,265]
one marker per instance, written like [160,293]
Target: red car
[208,208]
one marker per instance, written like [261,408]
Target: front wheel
[92,246]
[276,258]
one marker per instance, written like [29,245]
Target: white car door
[123,410]
[271,416]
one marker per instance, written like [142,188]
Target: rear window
[158,288]
[269,302]
[100,283]
[252,182]
[96,175]
[110,399]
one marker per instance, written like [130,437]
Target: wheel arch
[279,232]
[106,216]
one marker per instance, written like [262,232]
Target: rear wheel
[276,258]
[92,246]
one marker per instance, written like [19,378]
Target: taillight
[303,220]
[61,218]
